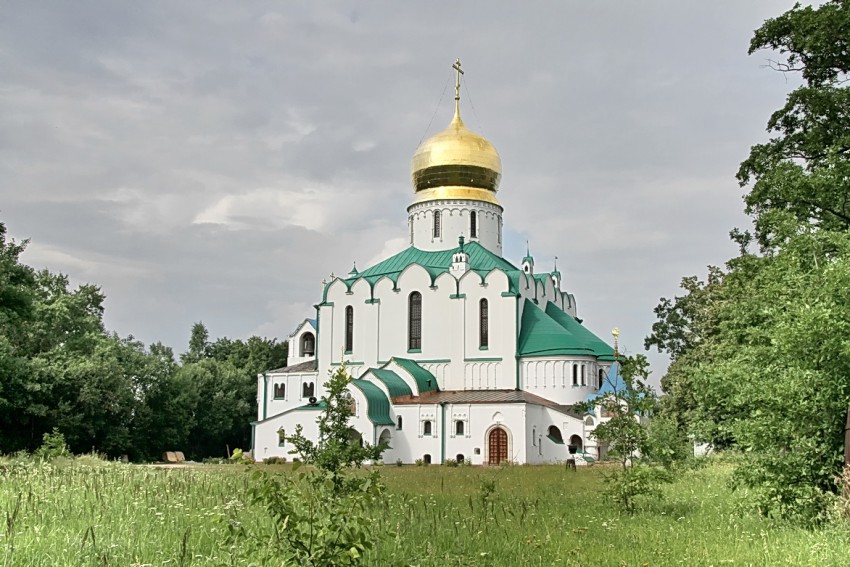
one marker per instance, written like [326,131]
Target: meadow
[87,512]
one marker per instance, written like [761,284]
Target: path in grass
[93,513]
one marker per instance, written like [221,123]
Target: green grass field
[93,513]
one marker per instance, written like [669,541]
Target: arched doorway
[497,444]
[576,440]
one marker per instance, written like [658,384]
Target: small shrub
[52,446]
[451,463]
[239,456]
[274,461]
[419,462]
[398,462]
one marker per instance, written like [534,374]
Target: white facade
[455,352]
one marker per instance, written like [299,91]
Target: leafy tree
[759,351]
[628,405]
[337,449]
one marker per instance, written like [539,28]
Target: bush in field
[52,446]
[238,456]
[322,518]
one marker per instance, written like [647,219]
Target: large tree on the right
[761,350]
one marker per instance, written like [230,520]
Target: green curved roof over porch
[377,404]
[396,386]
[425,381]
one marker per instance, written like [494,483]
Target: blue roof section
[612,384]
[312,322]
[378,406]
[395,384]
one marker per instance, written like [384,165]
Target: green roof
[481,261]
[425,381]
[600,347]
[542,335]
[378,406]
[396,386]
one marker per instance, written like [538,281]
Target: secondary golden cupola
[456,163]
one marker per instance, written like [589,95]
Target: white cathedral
[455,352]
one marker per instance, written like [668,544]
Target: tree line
[760,348]
[60,368]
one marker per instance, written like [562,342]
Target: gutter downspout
[265,393]
[443,435]
[253,439]
[516,343]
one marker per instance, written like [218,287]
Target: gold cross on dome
[457,68]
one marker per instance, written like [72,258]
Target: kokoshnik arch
[455,352]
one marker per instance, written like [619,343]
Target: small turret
[527,262]
[556,275]
[460,260]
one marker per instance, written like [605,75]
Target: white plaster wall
[294,388]
[455,221]
[552,378]
[266,437]
[541,449]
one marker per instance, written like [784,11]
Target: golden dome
[456,163]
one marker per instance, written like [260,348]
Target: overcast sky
[211,161]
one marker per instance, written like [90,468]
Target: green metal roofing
[435,263]
[378,406]
[541,335]
[600,347]
[396,386]
[425,381]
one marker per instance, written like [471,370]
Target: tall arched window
[349,328]
[583,376]
[459,427]
[575,374]
[398,423]
[414,321]
[426,428]
[483,324]
[437,227]
[308,344]
[601,378]
[473,225]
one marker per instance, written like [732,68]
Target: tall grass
[94,513]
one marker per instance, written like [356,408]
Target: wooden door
[498,445]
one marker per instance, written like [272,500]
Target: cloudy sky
[215,161]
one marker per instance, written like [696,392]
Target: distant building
[456,353]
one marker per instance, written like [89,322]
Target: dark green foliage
[762,366]
[312,524]
[60,369]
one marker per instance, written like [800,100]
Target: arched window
[555,435]
[601,378]
[411,231]
[398,423]
[309,390]
[483,324]
[280,391]
[576,441]
[534,436]
[437,227]
[500,231]
[414,321]
[426,459]
[588,421]
[583,376]
[426,428]
[473,225]
[460,458]
[349,328]
[575,374]
[459,427]
[308,344]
